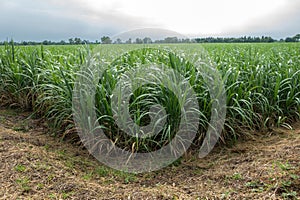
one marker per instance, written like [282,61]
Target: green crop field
[262,84]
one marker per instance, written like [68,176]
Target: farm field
[261,128]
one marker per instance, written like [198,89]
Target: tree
[289,39]
[256,39]
[147,40]
[23,43]
[118,41]
[297,38]
[71,41]
[106,40]
[129,41]
[186,40]
[46,42]
[138,41]
[62,42]
[171,40]
[198,40]
[266,39]
[77,40]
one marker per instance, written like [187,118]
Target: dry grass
[34,165]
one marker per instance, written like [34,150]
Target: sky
[39,20]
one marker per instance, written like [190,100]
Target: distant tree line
[148,40]
[235,40]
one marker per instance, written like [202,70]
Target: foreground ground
[35,165]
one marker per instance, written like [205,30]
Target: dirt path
[34,165]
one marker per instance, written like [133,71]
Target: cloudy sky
[90,19]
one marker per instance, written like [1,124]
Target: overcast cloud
[91,19]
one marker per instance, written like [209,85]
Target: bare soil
[36,165]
